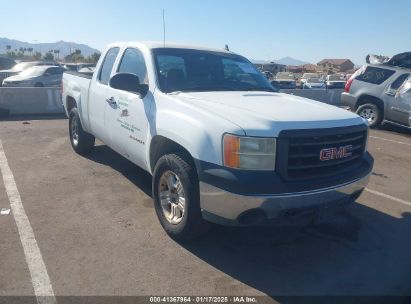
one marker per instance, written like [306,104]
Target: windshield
[314,80]
[32,72]
[310,75]
[188,70]
[336,78]
[284,76]
[22,66]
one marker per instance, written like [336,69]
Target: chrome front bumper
[224,207]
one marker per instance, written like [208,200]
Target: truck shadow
[29,117]
[364,252]
[102,154]
[395,130]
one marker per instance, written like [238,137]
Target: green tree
[8,48]
[49,56]
[37,56]
[95,57]
[57,53]
[76,56]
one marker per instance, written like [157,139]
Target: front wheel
[81,141]
[177,199]
[371,113]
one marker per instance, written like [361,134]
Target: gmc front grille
[319,153]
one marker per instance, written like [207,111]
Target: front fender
[190,133]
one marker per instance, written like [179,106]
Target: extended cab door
[396,110]
[97,95]
[127,116]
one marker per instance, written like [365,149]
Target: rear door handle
[111,101]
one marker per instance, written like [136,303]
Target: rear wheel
[81,141]
[371,113]
[177,198]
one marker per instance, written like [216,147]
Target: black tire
[372,113]
[192,225]
[84,142]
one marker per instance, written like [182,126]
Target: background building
[332,66]
[272,67]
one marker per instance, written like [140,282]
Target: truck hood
[266,113]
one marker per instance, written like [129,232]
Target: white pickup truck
[221,144]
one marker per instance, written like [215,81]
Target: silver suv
[372,92]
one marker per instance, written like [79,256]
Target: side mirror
[128,82]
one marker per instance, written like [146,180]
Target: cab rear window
[375,75]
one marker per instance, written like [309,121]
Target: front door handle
[111,101]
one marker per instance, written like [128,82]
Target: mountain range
[285,60]
[64,47]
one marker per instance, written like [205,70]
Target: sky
[261,29]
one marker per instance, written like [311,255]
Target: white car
[307,76]
[335,81]
[221,145]
[313,83]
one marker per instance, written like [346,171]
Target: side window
[399,81]
[375,75]
[133,62]
[55,71]
[107,66]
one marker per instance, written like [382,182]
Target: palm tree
[8,48]
[57,52]
[30,49]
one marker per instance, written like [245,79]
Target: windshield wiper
[175,92]
[254,89]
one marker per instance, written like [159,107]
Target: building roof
[310,66]
[294,67]
[334,61]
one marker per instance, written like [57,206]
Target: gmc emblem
[335,153]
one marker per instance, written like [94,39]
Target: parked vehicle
[78,66]
[335,81]
[285,80]
[87,70]
[37,76]
[307,76]
[371,93]
[19,67]
[221,145]
[313,83]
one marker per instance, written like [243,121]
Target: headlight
[249,153]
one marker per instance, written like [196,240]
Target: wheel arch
[364,99]
[161,145]
[70,104]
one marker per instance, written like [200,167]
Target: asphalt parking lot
[96,228]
